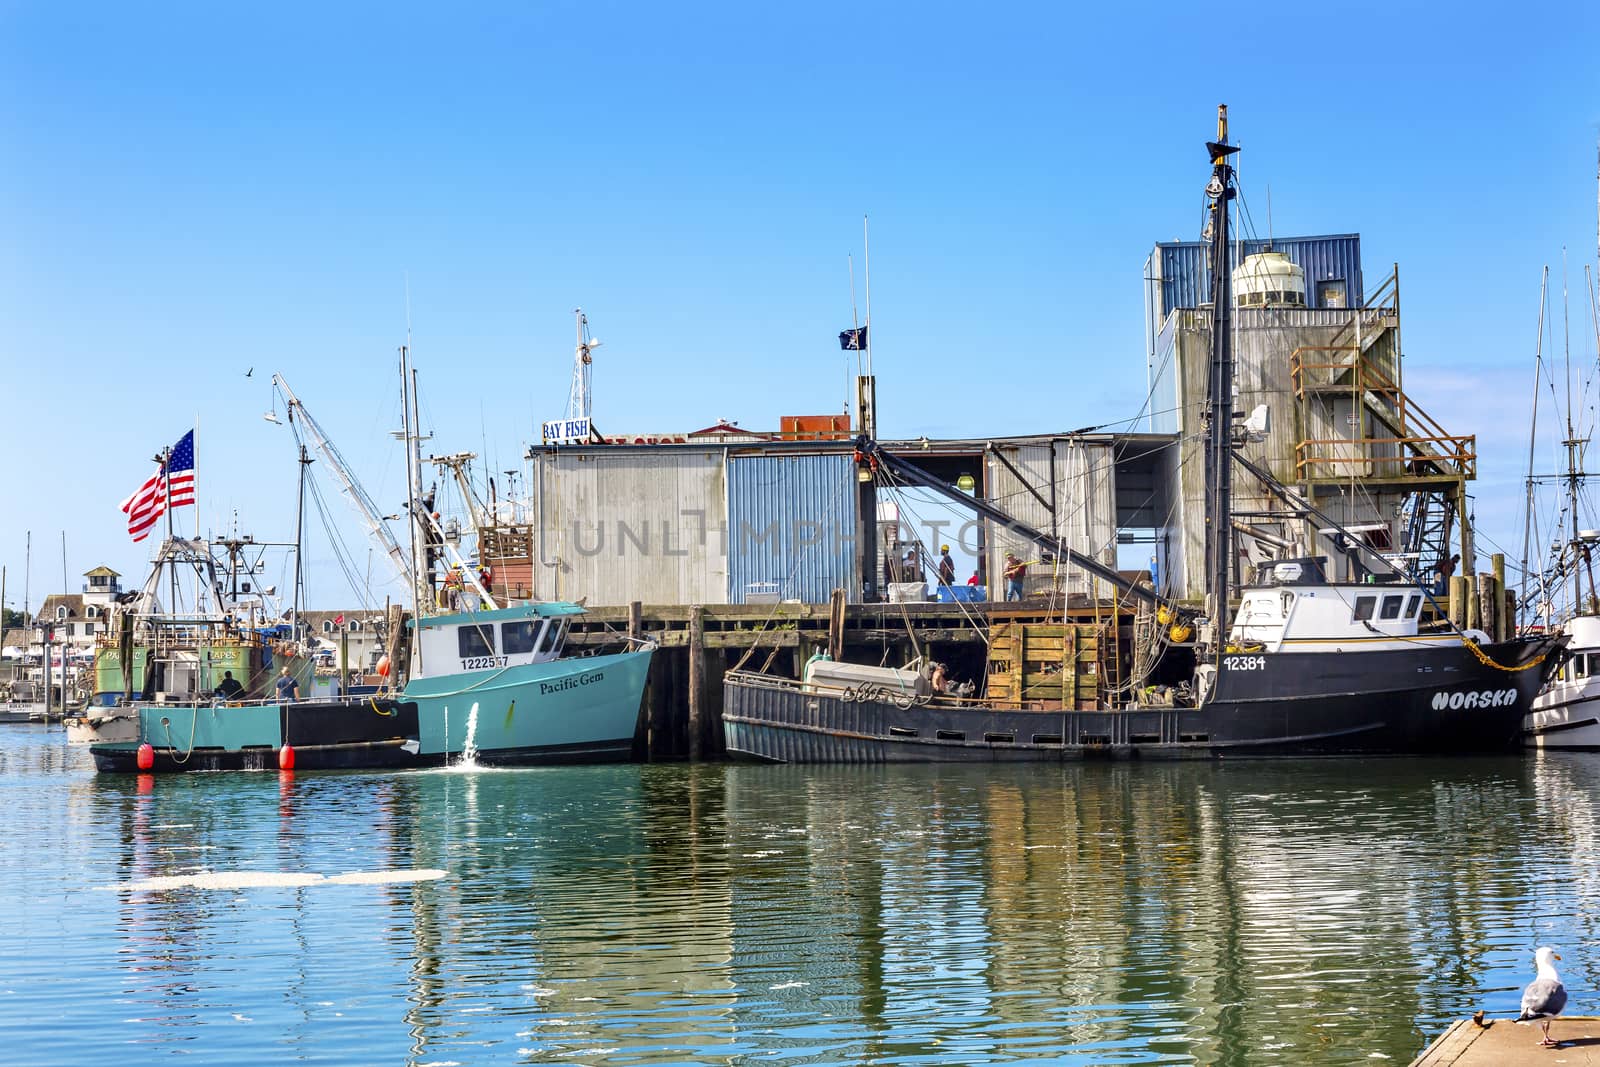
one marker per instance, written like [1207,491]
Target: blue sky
[196,190]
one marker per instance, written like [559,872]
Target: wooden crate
[1049,666]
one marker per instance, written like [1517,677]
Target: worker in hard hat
[947,566]
[1015,571]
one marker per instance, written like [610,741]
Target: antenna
[580,401]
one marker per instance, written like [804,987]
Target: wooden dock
[681,717]
[1502,1043]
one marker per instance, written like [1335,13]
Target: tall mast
[1219,526]
[299,534]
[1533,430]
[413,480]
[1574,475]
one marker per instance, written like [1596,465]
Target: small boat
[1307,666]
[481,682]
[494,686]
[1566,713]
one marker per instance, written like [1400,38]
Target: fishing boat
[498,687]
[1566,713]
[480,681]
[1307,666]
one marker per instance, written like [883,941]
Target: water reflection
[1252,913]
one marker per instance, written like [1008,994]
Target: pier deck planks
[1505,1044]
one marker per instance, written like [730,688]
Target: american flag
[175,479]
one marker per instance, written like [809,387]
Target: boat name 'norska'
[1486,698]
[546,688]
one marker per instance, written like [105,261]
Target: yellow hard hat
[944,548]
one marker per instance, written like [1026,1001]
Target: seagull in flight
[249,372]
[1545,996]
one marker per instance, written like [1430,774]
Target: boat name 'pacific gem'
[546,688]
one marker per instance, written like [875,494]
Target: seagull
[249,372]
[1545,996]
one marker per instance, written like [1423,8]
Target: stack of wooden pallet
[1046,666]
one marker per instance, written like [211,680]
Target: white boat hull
[1566,713]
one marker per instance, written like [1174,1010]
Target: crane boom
[347,480]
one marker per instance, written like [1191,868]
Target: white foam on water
[423,874]
[270,880]
[469,747]
[788,985]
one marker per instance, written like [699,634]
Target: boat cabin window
[475,640]
[1580,666]
[1364,607]
[556,636]
[1391,607]
[1414,605]
[1594,664]
[519,638]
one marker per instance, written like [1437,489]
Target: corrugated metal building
[1065,487]
[617,524]
[682,524]
[1177,274]
[791,526]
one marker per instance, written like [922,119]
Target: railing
[1421,447]
[1448,455]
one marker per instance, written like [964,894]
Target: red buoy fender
[145,758]
[286,758]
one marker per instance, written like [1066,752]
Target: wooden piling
[1488,601]
[836,626]
[1505,621]
[1458,601]
[697,670]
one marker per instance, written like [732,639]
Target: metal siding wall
[1186,276]
[791,522]
[1007,492]
[635,525]
[1087,506]
[1263,342]
[1085,501]
[1164,387]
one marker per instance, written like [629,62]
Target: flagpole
[867,561]
[165,459]
[866,266]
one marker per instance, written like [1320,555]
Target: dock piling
[697,686]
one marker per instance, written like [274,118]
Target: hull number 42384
[1245,663]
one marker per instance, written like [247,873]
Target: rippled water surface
[1242,913]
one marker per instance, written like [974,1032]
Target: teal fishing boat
[495,687]
[478,680]
[498,686]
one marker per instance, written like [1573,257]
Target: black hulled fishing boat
[1308,666]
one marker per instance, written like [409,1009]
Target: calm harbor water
[1247,913]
